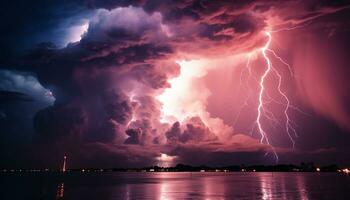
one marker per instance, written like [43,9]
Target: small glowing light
[318,169]
[49,93]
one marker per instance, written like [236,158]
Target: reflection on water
[168,186]
[265,187]
[164,188]
[301,188]
[60,191]
[283,185]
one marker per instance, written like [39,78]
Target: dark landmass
[303,167]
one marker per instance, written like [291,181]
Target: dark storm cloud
[110,4]
[21,96]
[114,47]
[240,24]
[24,23]
[24,83]
[195,131]
[148,75]
[122,36]
[6,96]
[173,135]
[54,123]
[108,43]
[110,112]
[134,136]
[118,107]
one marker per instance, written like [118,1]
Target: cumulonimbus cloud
[131,64]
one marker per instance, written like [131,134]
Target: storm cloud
[128,80]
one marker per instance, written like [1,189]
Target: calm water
[185,185]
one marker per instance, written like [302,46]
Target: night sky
[117,83]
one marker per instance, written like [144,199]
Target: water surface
[168,185]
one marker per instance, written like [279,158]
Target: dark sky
[144,82]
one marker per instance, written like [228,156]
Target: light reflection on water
[60,191]
[301,188]
[169,186]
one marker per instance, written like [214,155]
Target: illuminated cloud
[75,33]
[26,83]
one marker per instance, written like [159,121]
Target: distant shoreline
[309,167]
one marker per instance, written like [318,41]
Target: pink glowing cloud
[157,81]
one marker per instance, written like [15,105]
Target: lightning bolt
[293,27]
[245,103]
[261,94]
[263,112]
